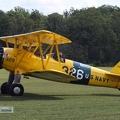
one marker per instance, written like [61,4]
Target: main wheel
[4,88]
[16,90]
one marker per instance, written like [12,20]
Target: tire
[4,88]
[16,90]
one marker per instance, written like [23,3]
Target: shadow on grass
[33,96]
[28,96]
[106,95]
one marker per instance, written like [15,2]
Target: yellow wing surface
[38,38]
[33,38]
[52,75]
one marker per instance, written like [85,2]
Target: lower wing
[52,75]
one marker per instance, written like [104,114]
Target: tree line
[94,31]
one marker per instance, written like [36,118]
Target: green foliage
[55,22]
[38,20]
[93,31]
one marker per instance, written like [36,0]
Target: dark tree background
[95,32]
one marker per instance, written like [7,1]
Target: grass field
[46,100]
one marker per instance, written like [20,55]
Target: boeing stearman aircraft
[37,54]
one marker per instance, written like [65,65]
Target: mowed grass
[46,100]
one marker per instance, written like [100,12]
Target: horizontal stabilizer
[116,69]
[113,74]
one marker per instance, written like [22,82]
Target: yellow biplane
[37,54]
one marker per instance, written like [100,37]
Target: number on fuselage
[81,72]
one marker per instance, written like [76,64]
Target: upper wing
[52,75]
[33,38]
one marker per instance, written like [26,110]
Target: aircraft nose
[1,56]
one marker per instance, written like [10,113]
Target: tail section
[116,69]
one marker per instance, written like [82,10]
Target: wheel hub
[16,90]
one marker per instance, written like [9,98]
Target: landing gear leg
[5,86]
[16,89]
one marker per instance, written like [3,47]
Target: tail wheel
[4,88]
[16,90]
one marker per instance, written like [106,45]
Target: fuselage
[85,74]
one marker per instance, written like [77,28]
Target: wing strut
[7,43]
[50,53]
[41,52]
[56,45]
[15,45]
